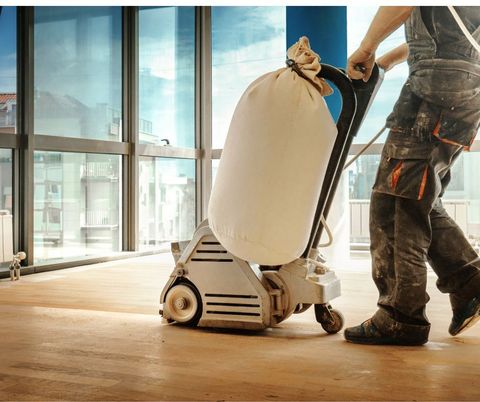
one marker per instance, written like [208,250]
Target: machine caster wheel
[336,325]
[183,304]
[330,319]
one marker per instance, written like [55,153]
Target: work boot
[465,317]
[368,334]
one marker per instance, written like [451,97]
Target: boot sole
[384,341]
[468,323]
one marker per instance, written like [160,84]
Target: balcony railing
[98,219]
[99,169]
[360,214]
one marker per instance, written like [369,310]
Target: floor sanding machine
[211,287]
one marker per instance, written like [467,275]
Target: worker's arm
[393,57]
[386,20]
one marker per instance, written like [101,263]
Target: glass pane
[6,201]
[8,69]
[358,21]
[77,205]
[246,43]
[167,75]
[361,177]
[167,201]
[78,72]
[215,164]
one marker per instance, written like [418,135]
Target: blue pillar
[326,28]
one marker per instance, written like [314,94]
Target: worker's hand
[360,64]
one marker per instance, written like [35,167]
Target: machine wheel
[183,304]
[330,319]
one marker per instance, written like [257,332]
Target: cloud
[246,24]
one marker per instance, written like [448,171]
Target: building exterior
[8,112]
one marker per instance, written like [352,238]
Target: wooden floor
[93,333]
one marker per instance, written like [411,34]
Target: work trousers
[408,226]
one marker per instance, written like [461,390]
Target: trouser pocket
[458,128]
[404,169]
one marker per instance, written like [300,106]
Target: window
[246,43]
[78,72]
[6,201]
[8,69]
[167,75]
[361,177]
[167,201]
[77,205]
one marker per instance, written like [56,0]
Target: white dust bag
[273,163]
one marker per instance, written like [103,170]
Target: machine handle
[365,93]
[356,100]
[347,114]
[349,100]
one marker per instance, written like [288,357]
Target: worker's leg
[407,185]
[399,236]
[382,241]
[455,262]
[453,258]
[458,268]
[423,227]
[399,245]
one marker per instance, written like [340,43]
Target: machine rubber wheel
[331,323]
[336,325]
[183,304]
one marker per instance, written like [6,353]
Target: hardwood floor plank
[95,334]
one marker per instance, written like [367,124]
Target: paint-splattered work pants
[408,224]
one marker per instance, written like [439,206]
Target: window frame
[25,142]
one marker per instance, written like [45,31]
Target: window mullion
[130,122]
[204,47]
[23,173]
